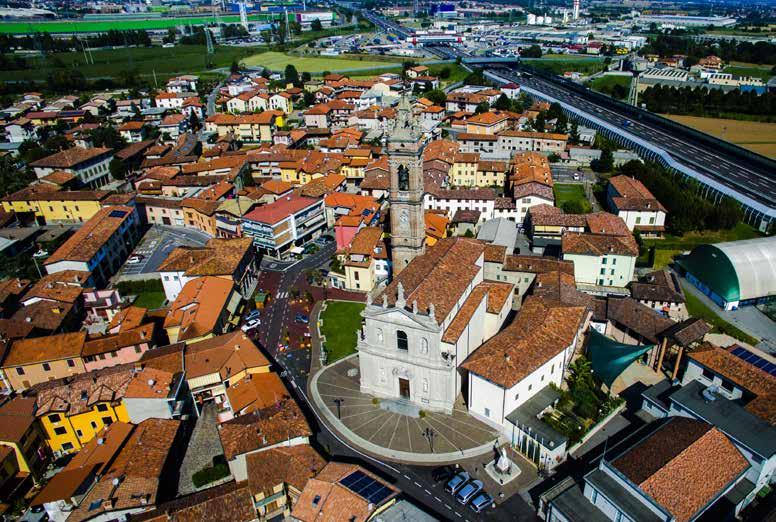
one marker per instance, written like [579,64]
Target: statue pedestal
[510,470]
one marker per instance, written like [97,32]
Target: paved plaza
[390,434]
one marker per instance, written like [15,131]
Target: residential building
[120,348]
[215,365]
[531,183]
[344,492]
[280,425]
[45,205]
[422,327]
[90,166]
[661,291]
[359,259]
[629,199]
[285,225]
[42,359]
[133,131]
[141,475]
[65,491]
[100,246]
[277,476]
[23,452]
[205,307]
[640,482]
[231,259]
[453,200]
[248,128]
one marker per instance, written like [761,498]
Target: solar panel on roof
[117,213]
[366,487]
[755,360]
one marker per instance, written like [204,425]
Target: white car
[133,260]
[250,325]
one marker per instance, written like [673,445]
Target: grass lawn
[341,321]
[145,60]
[756,136]
[697,308]
[693,239]
[764,72]
[316,64]
[151,300]
[584,65]
[570,192]
[605,84]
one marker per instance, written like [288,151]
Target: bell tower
[408,228]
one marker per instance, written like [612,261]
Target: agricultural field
[91,26]
[756,136]
[316,64]
[560,64]
[147,61]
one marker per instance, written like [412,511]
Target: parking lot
[157,244]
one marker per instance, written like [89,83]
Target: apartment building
[285,225]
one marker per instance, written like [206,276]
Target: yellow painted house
[73,412]
[248,128]
[48,205]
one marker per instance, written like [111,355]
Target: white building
[453,200]
[629,199]
[510,374]
[434,314]
[90,166]
[286,224]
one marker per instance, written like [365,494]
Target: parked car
[466,493]
[457,482]
[481,502]
[250,325]
[442,473]
[133,260]
[301,318]
[254,314]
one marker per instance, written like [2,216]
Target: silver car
[457,482]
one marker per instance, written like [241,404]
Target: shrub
[210,474]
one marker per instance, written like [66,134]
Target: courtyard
[392,429]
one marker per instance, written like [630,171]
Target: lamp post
[339,402]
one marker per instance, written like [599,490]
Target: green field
[316,64]
[90,26]
[764,72]
[697,308]
[340,323]
[150,299]
[607,84]
[145,60]
[570,192]
[564,63]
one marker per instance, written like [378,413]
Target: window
[107,421]
[603,271]
[380,335]
[138,349]
[70,363]
[355,275]
[401,340]
[46,367]
[517,396]
[425,385]
[651,221]
[552,369]
[60,430]
[423,346]
[102,407]
[530,386]
[611,272]
[727,386]
[603,261]
[79,433]
[614,261]
[67,446]
[93,425]
[19,370]
[708,374]
[56,417]
[638,220]
[487,412]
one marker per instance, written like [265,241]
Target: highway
[757,185]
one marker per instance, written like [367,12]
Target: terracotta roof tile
[198,306]
[70,158]
[84,244]
[42,349]
[292,465]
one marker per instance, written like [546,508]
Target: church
[439,308]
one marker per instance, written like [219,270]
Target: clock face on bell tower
[405,146]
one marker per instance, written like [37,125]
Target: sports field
[276,61]
[88,26]
[753,135]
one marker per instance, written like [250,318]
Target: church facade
[423,326]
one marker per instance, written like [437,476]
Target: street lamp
[339,402]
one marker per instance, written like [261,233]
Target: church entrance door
[404,388]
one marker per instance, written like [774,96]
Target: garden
[582,404]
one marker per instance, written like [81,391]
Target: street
[280,278]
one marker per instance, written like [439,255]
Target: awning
[611,358]
[296,250]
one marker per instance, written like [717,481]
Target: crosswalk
[282,295]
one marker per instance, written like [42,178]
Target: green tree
[445,72]
[532,52]
[437,96]
[316,25]
[107,137]
[605,163]
[194,122]
[503,103]
[235,67]
[482,107]
[574,135]
[117,169]
[12,178]
[573,206]
[291,74]
[308,99]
